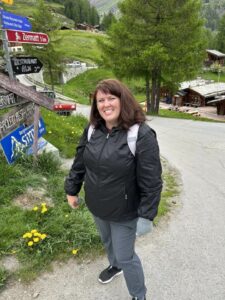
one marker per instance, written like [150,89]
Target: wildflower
[43,204]
[34,231]
[25,235]
[44,209]
[36,239]
[29,235]
[66,216]
[37,234]
[35,208]
[43,236]
[30,243]
[49,132]
[74,251]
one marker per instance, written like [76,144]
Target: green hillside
[80,45]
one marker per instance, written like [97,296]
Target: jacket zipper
[106,140]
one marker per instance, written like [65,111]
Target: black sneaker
[108,274]
[136,298]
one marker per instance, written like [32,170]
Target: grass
[63,132]
[165,113]
[80,45]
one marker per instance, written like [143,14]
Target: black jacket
[118,186]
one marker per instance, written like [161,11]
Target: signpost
[25,92]
[27,37]
[16,117]
[20,140]
[12,21]
[10,2]
[9,99]
[25,65]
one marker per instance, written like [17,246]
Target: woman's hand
[73,201]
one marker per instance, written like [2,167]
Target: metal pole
[6,50]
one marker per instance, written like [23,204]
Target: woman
[119,187]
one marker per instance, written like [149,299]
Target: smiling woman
[122,189]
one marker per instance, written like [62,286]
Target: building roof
[219,99]
[216,53]
[209,90]
[192,83]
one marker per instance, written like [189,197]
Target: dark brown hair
[131,111]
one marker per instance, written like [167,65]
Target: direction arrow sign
[27,37]
[11,21]
[26,65]
[7,1]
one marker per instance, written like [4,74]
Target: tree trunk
[147,90]
[155,94]
[158,92]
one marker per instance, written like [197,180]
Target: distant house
[220,104]
[199,93]
[214,56]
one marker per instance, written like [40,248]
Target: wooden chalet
[214,56]
[198,93]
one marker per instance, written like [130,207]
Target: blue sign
[14,22]
[20,140]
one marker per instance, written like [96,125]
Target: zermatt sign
[27,37]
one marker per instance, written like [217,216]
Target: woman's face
[109,108]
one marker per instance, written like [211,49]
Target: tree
[81,11]
[159,40]
[220,37]
[107,21]
[51,58]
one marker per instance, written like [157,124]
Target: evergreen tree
[81,12]
[107,21]
[159,40]
[220,37]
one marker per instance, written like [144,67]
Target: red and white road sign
[27,37]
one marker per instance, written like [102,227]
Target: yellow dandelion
[74,251]
[35,208]
[34,231]
[44,209]
[43,204]
[30,243]
[36,239]
[43,236]
[37,234]
[25,235]
[29,235]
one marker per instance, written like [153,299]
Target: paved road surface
[184,257]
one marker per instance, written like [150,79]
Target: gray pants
[119,239]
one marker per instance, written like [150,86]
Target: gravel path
[184,257]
